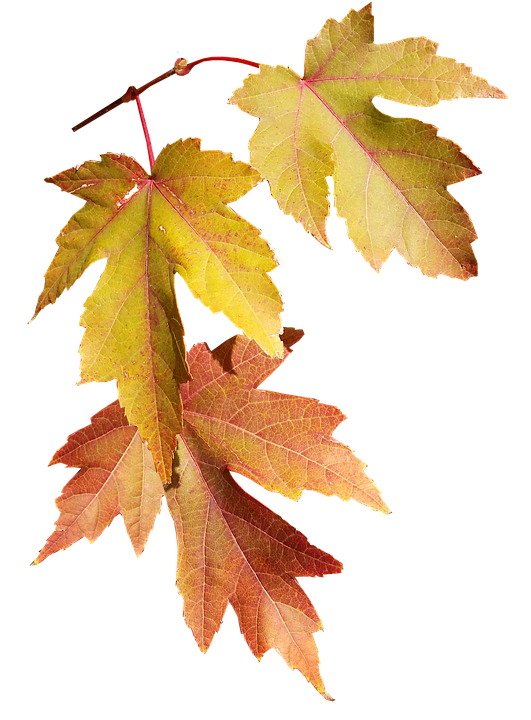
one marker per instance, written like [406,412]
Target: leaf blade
[282,442]
[228,555]
[231,548]
[146,227]
[116,476]
[223,259]
[391,191]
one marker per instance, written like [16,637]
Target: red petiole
[146,132]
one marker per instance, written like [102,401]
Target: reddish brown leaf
[232,548]
[282,442]
[116,476]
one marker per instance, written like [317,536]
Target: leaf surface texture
[390,174]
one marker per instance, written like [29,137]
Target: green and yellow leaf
[390,174]
[149,227]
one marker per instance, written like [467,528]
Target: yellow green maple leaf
[390,174]
[149,227]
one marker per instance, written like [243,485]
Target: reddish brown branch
[180,68]
[97,115]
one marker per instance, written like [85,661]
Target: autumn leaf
[149,227]
[390,174]
[282,442]
[232,548]
[116,476]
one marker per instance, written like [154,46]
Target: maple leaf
[282,442]
[390,174]
[149,227]
[116,476]
[232,548]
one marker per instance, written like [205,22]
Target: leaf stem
[189,66]
[181,68]
[146,132]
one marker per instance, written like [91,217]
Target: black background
[402,355]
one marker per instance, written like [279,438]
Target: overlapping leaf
[116,475]
[149,227]
[232,548]
[282,442]
[390,174]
